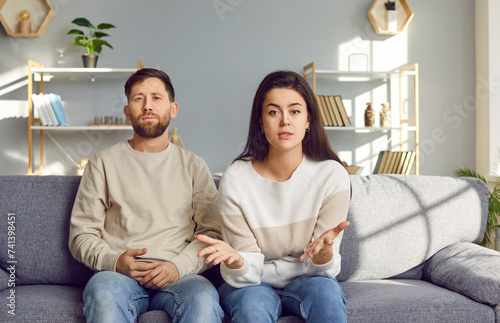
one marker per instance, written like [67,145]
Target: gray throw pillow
[468,269]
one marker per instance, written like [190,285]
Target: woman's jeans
[113,297]
[315,299]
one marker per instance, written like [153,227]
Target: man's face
[149,108]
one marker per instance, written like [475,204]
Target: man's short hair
[146,73]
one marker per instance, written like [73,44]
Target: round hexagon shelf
[378,16]
[41,13]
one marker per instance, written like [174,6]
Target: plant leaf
[99,34]
[466,172]
[98,43]
[105,26]
[80,41]
[83,22]
[75,32]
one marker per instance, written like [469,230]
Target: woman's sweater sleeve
[333,211]
[237,233]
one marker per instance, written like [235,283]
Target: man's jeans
[113,297]
[315,299]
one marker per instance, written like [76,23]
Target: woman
[283,204]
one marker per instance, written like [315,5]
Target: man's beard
[146,130]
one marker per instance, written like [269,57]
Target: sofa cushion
[42,209]
[456,268]
[410,301]
[45,303]
[399,221]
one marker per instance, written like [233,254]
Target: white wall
[487,87]
[216,60]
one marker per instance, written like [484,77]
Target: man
[139,206]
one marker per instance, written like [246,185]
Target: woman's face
[284,119]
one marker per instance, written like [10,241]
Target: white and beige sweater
[271,223]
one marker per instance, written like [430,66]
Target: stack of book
[332,111]
[394,162]
[50,109]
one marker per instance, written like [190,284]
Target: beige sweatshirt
[130,200]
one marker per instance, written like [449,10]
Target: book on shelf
[50,109]
[332,111]
[56,103]
[394,162]
[322,111]
[334,108]
[331,119]
[343,113]
[40,109]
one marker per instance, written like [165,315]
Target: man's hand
[127,266]
[320,250]
[219,251]
[161,276]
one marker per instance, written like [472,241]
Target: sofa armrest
[468,269]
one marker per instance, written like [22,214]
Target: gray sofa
[409,255]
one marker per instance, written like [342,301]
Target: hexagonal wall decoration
[378,16]
[39,17]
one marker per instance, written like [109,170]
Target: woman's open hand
[219,251]
[320,250]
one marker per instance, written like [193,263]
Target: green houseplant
[93,42]
[493,203]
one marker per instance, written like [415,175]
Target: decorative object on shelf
[493,203]
[82,163]
[352,170]
[358,62]
[389,17]
[174,138]
[369,115]
[18,25]
[24,24]
[385,115]
[60,60]
[93,43]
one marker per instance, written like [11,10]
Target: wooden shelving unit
[37,73]
[406,125]
[9,10]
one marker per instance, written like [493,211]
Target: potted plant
[493,204]
[93,42]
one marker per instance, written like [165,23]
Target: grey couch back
[42,206]
[398,222]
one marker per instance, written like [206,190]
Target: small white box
[392,21]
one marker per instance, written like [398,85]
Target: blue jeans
[315,299]
[113,297]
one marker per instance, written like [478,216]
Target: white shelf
[78,128]
[75,73]
[359,76]
[405,122]
[39,73]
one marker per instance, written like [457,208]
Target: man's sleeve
[87,223]
[207,221]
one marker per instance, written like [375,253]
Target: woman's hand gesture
[219,251]
[320,250]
